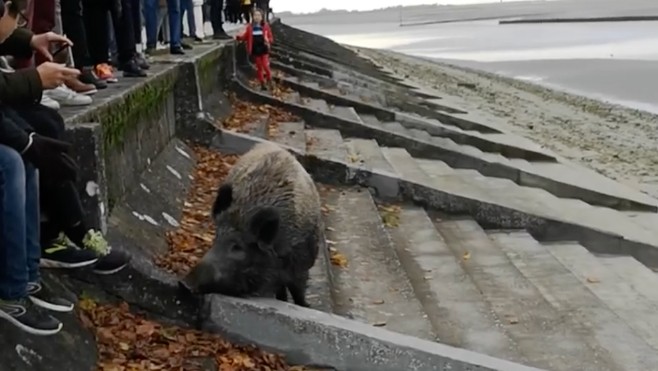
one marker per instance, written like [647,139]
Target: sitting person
[20,92]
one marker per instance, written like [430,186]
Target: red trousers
[263,67]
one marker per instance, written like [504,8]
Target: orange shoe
[105,72]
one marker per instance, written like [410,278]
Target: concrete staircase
[460,232]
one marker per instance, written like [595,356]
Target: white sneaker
[49,102]
[67,97]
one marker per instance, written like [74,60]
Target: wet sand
[615,140]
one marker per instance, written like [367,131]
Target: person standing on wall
[258,37]
[216,10]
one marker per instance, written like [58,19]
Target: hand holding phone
[61,48]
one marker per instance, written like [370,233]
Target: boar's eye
[236,248]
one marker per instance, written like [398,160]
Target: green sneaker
[62,253]
[110,260]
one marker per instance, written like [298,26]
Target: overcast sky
[304,6]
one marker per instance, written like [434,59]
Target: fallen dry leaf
[593,280]
[390,215]
[466,256]
[337,258]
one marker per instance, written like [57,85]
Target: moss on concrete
[207,70]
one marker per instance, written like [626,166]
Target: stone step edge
[420,148]
[491,216]
[307,336]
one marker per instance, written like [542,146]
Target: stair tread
[290,134]
[372,287]
[434,168]
[405,165]
[347,113]
[316,104]
[454,305]
[538,330]
[367,154]
[318,292]
[642,279]
[636,310]
[325,143]
[371,120]
[576,304]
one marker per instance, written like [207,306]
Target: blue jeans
[19,225]
[151,22]
[187,6]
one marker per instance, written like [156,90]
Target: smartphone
[61,48]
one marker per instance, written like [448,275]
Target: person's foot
[67,97]
[49,102]
[62,253]
[131,69]
[27,316]
[263,87]
[186,46]
[177,51]
[110,260]
[80,87]
[150,50]
[221,36]
[87,76]
[197,39]
[44,298]
[105,73]
[141,61]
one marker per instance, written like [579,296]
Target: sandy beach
[616,141]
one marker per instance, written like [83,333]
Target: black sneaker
[197,39]
[110,260]
[186,46]
[221,36]
[131,69]
[28,317]
[62,253]
[112,263]
[89,77]
[141,61]
[263,87]
[177,50]
[44,298]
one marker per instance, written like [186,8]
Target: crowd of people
[53,49]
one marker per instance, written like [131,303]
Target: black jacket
[17,88]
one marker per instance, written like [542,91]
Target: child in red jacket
[258,37]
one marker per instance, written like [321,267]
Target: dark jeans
[60,201]
[97,22]
[187,7]
[151,22]
[74,28]
[216,7]
[19,225]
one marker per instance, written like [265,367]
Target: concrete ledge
[307,336]
[636,18]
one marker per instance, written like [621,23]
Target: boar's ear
[223,200]
[265,224]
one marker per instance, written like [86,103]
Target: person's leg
[216,19]
[246,11]
[127,47]
[151,9]
[266,67]
[43,21]
[15,305]
[260,70]
[173,10]
[96,25]
[191,22]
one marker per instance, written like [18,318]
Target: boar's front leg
[282,293]
[298,290]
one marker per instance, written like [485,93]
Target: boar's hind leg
[298,290]
[282,293]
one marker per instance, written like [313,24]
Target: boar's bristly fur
[268,229]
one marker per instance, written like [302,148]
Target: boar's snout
[199,279]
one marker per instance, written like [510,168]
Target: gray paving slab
[366,154]
[434,168]
[347,113]
[614,345]
[642,279]
[405,165]
[542,335]
[373,287]
[636,310]
[453,303]
[325,143]
[316,104]
[290,134]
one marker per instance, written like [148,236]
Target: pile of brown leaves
[244,114]
[128,342]
[194,236]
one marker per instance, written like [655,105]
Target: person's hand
[50,157]
[41,43]
[53,74]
